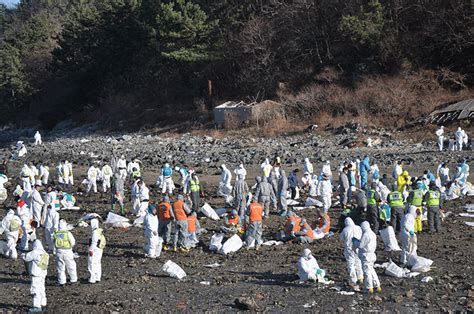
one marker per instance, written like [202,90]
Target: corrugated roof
[463,109]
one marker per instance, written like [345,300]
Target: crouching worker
[308,268]
[194,229]
[324,225]
[232,223]
[96,248]
[154,241]
[38,261]
[292,228]
[306,233]
[254,222]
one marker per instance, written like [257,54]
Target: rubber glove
[91,253]
[412,233]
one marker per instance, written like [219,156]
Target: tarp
[209,212]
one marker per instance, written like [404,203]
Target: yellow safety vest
[417,198]
[433,199]
[14,225]
[395,200]
[61,240]
[194,185]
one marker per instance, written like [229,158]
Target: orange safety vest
[233,221]
[178,209]
[256,212]
[296,224]
[192,224]
[321,223]
[164,209]
[309,232]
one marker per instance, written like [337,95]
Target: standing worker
[433,202]
[92,175]
[37,137]
[117,192]
[37,202]
[154,241]
[440,135]
[265,194]
[96,248]
[164,224]
[282,189]
[255,228]
[168,184]
[179,211]
[397,206]
[354,267]
[39,260]
[195,189]
[325,192]
[373,200]
[407,235]
[240,191]
[367,247]
[415,198]
[64,242]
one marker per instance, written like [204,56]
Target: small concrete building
[234,114]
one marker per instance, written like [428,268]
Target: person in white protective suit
[28,232]
[51,225]
[38,261]
[225,186]
[354,267]
[168,184]
[309,185]
[37,202]
[44,174]
[133,164]
[459,137]
[11,225]
[143,197]
[106,175]
[308,267]
[153,241]
[325,192]
[326,169]
[440,135]
[240,170]
[37,138]
[34,173]
[367,246]
[407,235]
[60,173]
[68,173]
[122,167]
[96,248]
[135,192]
[64,242]
[266,169]
[92,175]
[308,166]
[25,175]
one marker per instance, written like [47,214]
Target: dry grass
[390,101]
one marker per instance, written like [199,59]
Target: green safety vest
[61,240]
[194,185]
[371,197]
[44,261]
[433,199]
[14,225]
[417,198]
[395,200]
[136,174]
[102,241]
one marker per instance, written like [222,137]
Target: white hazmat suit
[153,241]
[11,225]
[64,242]
[354,266]
[367,247]
[51,225]
[96,248]
[38,261]
[92,175]
[307,266]
[407,235]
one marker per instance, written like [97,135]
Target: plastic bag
[233,244]
[173,270]
[114,218]
[419,264]
[389,239]
[209,212]
[216,241]
[313,202]
[394,270]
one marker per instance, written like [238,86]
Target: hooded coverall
[39,260]
[241,191]
[96,248]
[354,266]
[407,235]
[367,247]
[64,242]
[154,241]
[265,194]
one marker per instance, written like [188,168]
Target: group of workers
[368,201]
[459,140]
